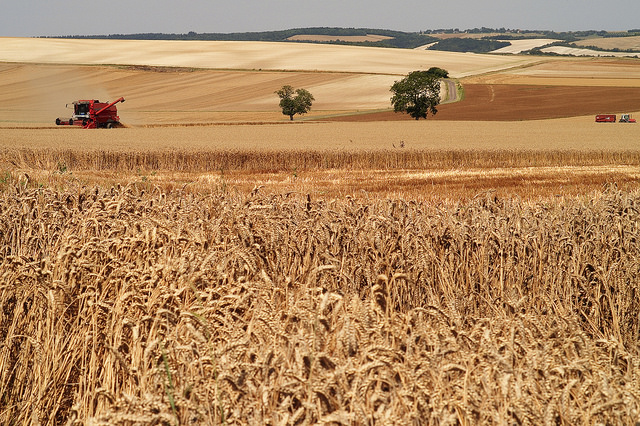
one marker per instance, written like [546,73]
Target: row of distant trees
[469,45]
[398,39]
[418,94]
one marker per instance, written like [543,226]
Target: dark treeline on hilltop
[469,45]
[518,34]
[399,39]
[495,37]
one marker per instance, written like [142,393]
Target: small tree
[418,93]
[292,105]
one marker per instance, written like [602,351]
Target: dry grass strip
[286,160]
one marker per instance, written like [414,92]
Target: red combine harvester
[92,114]
[611,118]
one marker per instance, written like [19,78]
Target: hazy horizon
[32,18]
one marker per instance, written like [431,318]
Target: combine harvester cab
[626,118]
[92,114]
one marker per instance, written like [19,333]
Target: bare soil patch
[507,102]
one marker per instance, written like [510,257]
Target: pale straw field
[518,46]
[247,56]
[576,51]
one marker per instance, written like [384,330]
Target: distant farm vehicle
[611,118]
[605,118]
[92,114]
[626,118]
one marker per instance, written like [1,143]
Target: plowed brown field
[506,102]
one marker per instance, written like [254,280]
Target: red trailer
[92,114]
[605,118]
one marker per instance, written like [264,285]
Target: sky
[29,18]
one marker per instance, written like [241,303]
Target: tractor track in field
[452,91]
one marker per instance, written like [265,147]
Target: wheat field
[128,305]
[425,272]
[436,175]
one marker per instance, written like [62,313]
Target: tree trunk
[291,117]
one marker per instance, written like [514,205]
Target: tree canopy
[418,93]
[438,72]
[292,105]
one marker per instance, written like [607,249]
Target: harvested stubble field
[34,95]
[622,43]
[427,160]
[131,306]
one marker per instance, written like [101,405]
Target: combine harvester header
[92,114]
[611,118]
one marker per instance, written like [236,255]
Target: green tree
[418,93]
[438,72]
[292,105]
